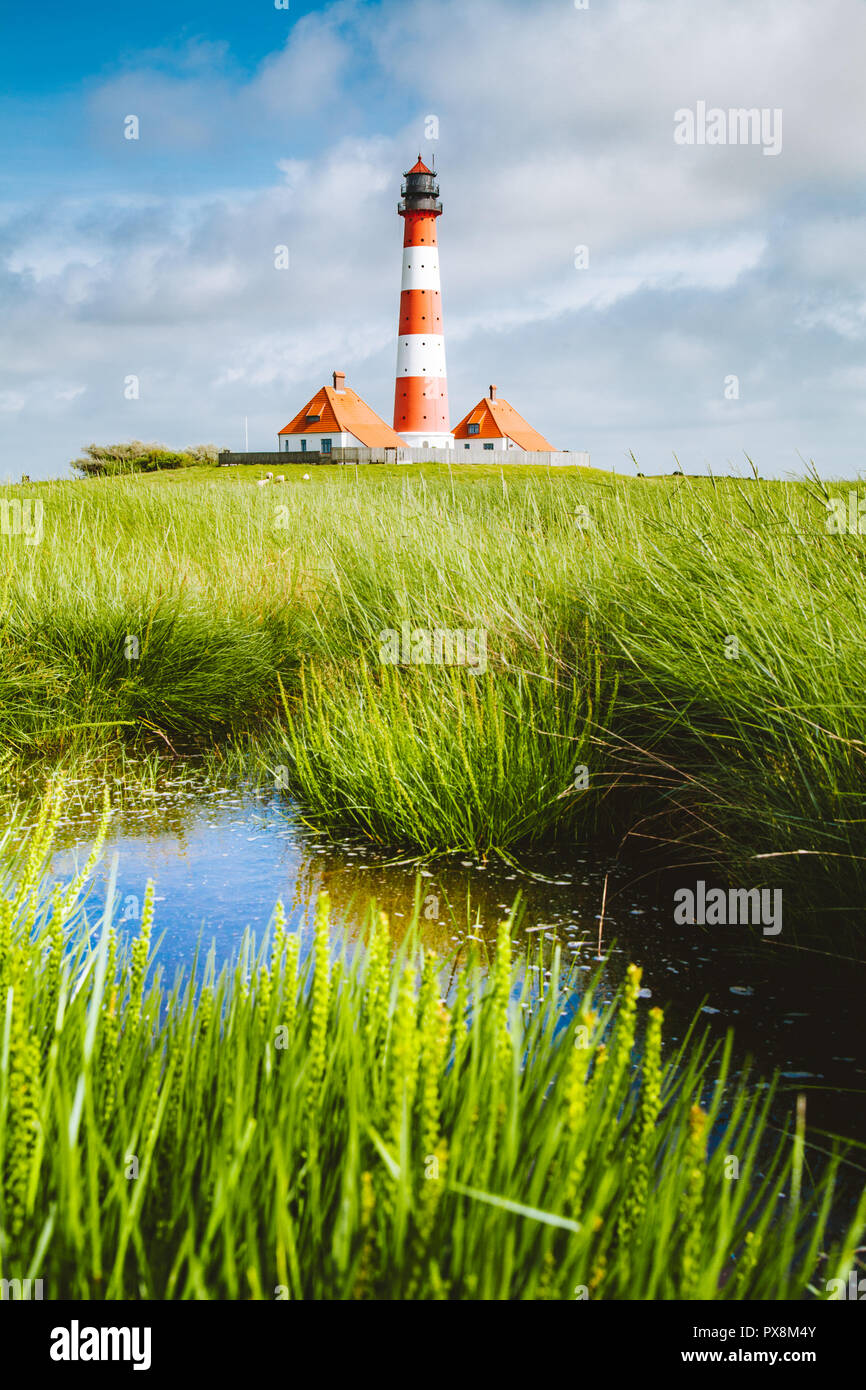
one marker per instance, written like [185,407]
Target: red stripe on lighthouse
[421,400]
[420,311]
[420,229]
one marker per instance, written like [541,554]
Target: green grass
[368,475]
[458,761]
[315,1127]
[610,607]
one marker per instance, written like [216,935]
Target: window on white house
[465,446]
[488,446]
[326,446]
[303,446]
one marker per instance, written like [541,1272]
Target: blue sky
[262,127]
[51,47]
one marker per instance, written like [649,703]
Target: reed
[348,1132]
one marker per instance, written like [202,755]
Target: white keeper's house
[494,424]
[337,418]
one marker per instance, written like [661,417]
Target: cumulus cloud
[555,131]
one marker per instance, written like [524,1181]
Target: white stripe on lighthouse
[421,354]
[420,268]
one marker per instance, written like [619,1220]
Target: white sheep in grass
[306,477]
[268,478]
[280,478]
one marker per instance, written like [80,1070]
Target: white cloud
[556,129]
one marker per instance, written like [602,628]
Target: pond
[221,857]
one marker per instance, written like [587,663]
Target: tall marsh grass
[698,645]
[443,761]
[310,1126]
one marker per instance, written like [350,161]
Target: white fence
[558,459]
[500,457]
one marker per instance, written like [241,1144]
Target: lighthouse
[421,390]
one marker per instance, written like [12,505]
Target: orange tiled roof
[341,411]
[495,420]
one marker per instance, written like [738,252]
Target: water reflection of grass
[182,810]
[329,1128]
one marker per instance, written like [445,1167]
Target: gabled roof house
[336,418]
[494,424]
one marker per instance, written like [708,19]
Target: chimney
[339,381]
[493,393]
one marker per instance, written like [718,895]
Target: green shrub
[116,460]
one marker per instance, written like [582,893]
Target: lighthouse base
[421,439]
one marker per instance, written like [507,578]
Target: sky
[716,310]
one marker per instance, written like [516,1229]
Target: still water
[222,857]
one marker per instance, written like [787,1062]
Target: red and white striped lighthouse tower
[421,392]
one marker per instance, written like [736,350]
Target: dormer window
[312,419]
[473,429]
